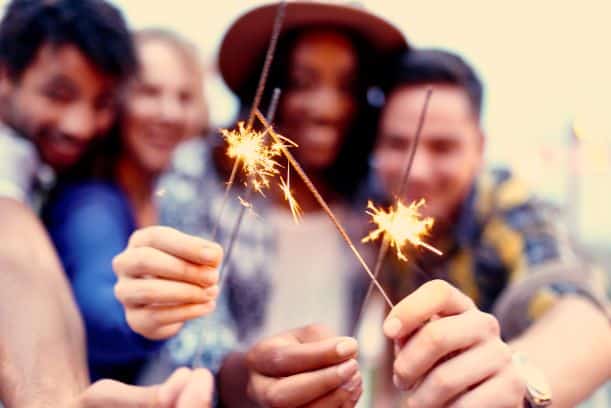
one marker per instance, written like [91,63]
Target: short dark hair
[433,66]
[95,27]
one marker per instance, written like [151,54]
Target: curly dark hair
[95,27]
[351,167]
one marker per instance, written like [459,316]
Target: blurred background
[545,65]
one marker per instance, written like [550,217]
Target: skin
[61,103]
[318,105]
[450,153]
[449,353]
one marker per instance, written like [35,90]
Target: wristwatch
[538,391]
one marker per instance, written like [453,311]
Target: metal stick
[385,245]
[321,201]
[269,57]
[199,350]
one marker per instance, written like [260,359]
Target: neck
[137,183]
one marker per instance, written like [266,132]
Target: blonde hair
[190,55]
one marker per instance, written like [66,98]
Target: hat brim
[246,41]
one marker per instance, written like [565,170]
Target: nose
[330,106]
[421,171]
[171,111]
[79,122]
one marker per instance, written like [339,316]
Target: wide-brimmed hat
[246,41]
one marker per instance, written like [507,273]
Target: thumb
[110,393]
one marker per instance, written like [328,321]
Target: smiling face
[161,105]
[61,103]
[318,104]
[450,152]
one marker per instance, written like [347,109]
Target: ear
[6,83]
[481,145]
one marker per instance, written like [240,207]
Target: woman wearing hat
[284,275]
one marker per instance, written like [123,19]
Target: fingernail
[356,394]
[392,327]
[210,254]
[346,347]
[354,382]
[347,369]
[211,292]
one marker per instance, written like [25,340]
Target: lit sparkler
[257,157]
[386,241]
[269,57]
[401,225]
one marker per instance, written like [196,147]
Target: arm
[575,325]
[41,337]
[42,357]
[90,225]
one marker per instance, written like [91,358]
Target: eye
[443,146]
[59,93]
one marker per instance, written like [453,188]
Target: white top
[20,167]
[309,277]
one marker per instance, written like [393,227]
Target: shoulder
[191,158]
[18,164]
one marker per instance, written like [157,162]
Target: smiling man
[514,308]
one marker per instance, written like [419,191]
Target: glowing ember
[401,225]
[288,196]
[258,158]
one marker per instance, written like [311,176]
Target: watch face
[538,391]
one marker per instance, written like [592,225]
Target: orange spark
[401,225]
[258,158]
[285,186]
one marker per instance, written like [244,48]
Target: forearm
[233,382]
[572,345]
[41,341]
[42,359]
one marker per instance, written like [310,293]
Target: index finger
[281,360]
[436,297]
[188,247]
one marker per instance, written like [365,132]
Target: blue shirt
[90,223]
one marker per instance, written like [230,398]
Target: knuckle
[138,237]
[317,331]
[118,263]
[273,396]
[443,382]
[435,336]
[491,324]
[401,370]
[119,290]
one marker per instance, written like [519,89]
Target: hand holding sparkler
[449,353]
[165,278]
[304,367]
